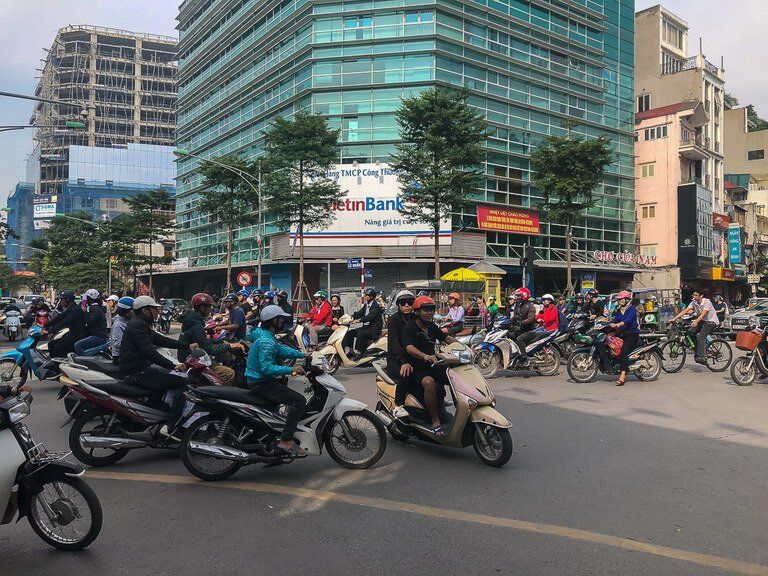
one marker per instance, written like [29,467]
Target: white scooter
[337,356]
[12,326]
[61,508]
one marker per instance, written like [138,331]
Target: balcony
[692,148]
[691,180]
[691,63]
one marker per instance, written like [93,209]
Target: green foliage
[567,171]
[440,156]
[153,221]
[226,198]
[8,280]
[76,258]
[299,154]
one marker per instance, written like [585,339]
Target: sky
[29,26]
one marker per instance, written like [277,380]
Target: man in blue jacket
[265,370]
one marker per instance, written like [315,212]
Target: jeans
[160,380]
[703,330]
[84,345]
[279,393]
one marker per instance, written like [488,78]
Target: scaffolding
[125,84]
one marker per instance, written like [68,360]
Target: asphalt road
[663,478]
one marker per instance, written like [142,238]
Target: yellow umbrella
[463,275]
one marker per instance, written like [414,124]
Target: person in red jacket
[549,318]
[319,320]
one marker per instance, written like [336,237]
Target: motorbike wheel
[93,422]
[206,468]
[547,364]
[334,363]
[582,367]
[11,374]
[488,362]
[492,445]
[672,356]
[742,375]
[368,443]
[719,355]
[77,511]
[651,367]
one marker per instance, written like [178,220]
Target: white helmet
[113,298]
[548,297]
[144,301]
[272,311]
[92,293]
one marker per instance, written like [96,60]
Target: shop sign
[508,220]
[753,278]
[725,274]
[734,243]
[587,281]
[180,263]
[720,221]
[624,258]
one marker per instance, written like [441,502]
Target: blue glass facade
[530,65]
[20,221]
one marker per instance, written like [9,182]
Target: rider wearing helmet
[265,369]
[71,317]
[193,331]
[235,322]
[95,322]
[123,313]
[455,314]
[493,309]
[319,319]
[523,320]
[269,297]
[144,366]
[624,321]
[718,303]
[371,316]
[337,310]
[593,305]
[549,317]
[38,303]
[426,382]
[242,300]
[258,304]
[398,363]
[282,301]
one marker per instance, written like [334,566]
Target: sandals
[295,450]
[621,382]
[438,430]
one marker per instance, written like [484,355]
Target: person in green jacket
[493,309]
[193,331]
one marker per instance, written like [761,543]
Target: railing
[687,139]
[691,180]
[711,68]
[674,67]
[117,31]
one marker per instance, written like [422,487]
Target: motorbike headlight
[18,412]
[470,401]
[464,356]
[754,322]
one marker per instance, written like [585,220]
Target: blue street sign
[368,273]
[354,263]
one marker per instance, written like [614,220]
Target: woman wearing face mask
[624,321]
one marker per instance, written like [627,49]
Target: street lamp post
[248,179]
[70,125]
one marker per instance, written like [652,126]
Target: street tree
[8,280]
[75,259]
[440,156]
[153,214]
[567,171]
[120,236]
[230,197]
[298,191]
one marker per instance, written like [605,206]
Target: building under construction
[123,87]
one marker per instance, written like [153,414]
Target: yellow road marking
[447,514]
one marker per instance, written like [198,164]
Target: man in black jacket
[398,362]
[193,332]
[144,366]
[371,315]
[95,322]
[71,317]
[523,319]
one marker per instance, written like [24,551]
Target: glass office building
[530,66]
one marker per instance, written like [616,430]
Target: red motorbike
[112,417]
[42,317]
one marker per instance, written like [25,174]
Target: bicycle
[680,340]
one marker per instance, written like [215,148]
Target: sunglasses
[406,302]
[427,308]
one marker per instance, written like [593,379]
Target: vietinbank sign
[369,215]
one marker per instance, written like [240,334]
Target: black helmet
[282,294]
[370,292]
[230,298]
[258,293]
[67,295]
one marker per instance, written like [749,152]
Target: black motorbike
[586,361]
[164,321]
[61,508]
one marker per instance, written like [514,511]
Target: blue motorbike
[30,359]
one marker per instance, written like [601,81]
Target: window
[672,35]
[648,211]
[756,154]
[644,103]
[656,132]
[648,250]
[648,170]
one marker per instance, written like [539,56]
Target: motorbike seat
[235,395]
[100,365]
[120,389]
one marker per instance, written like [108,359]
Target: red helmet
[201,299]
[523,293]
[624,294]
[423,301]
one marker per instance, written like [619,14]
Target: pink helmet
[624,294]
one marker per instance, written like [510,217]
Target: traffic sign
[368,273]
[753,278]
[244,279]
[354,263]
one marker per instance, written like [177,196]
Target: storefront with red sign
[512,220]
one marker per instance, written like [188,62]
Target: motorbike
[42,486]
[746,368]
[499,352]
[236,427]
[112,417]
[12,325]
[30,356]
[476,421]
[585,361]
[164,321]
[337,356]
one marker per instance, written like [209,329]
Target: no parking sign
[244,279]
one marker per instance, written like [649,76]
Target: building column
[92,90]
[137,93]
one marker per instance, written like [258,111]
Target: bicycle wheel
[719,355]
[672,356]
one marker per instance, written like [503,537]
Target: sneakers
[400,412]
[164,431]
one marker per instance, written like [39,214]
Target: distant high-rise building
[124,86]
